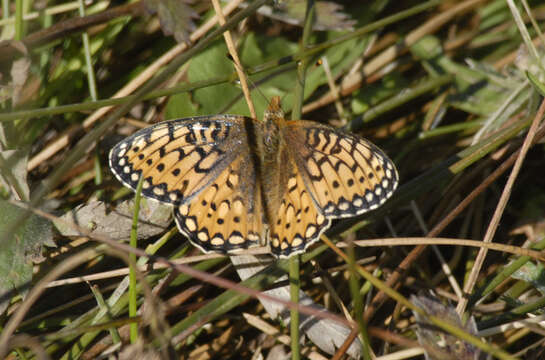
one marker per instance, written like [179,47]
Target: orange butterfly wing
[345,175]
[202,166]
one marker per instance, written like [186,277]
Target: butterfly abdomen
[270,154]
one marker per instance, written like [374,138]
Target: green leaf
[533,274]
[13,172]
[227,98]
[373,94]
[480,89]
[538,85]
[256,50]
[19,250]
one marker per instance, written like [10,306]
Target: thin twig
[444,264]
[36,291]
[407,241]
[435,320]
[334,89]
[346,344]
[494,222]
[353,82]
[234,54]
[71,27]
[128,89]
[200,275]
[398,274]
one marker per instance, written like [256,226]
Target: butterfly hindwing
[178,158]
[344,174]
[227,215]
[298,222]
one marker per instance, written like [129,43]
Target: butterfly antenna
[253,85]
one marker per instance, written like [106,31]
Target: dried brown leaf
[154,217]
[19,75]
[430,336]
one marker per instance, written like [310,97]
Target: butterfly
[237,182]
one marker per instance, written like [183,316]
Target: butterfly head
[274,112]
[273,119]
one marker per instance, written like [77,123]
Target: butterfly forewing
[178,158]
[344,174]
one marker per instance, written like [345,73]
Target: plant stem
[132,263]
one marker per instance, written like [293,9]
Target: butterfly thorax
[273,119]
